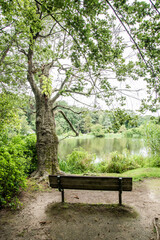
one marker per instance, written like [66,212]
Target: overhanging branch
[60,106]
[148,65]
[67,120]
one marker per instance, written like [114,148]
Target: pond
[103,146]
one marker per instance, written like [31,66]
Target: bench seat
[91,183]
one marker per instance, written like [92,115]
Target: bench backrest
[91,183]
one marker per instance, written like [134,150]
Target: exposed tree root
[40,176]
[155,224]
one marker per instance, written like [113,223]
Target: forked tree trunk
[47,140]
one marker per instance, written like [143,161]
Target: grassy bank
[137,174]
[141,173]
[86,136]
[138,167]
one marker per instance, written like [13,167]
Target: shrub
[123,162]
[12,176]
[17,160]
[98,131]
[30,153]
[122,129]
[152,137]
[79,161]
[153,161]
[134,132]
[128,133]
[101,167]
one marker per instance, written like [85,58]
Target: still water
[103,146]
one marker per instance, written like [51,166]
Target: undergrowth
[80,161]
[17,161]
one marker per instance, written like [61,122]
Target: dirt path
[43,217]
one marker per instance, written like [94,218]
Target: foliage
[153,161]
[122,129]
[108,121]
[30,153]
[119,163]
[87,123]
[17,160]
[8,113]
[121,117]
[134,132]
[46,86]
[141,173]
[39,37]
[152,137]
[142,19]
[79,161]
[98,131]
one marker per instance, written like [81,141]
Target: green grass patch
[113,135]
[141,173]
[137,174]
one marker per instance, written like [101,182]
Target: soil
[86,215]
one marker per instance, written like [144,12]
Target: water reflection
[103,146]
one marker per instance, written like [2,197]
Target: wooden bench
[91,183]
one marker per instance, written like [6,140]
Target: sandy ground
[86,215]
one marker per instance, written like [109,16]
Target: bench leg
[120,191]
[120,198]
[62,192]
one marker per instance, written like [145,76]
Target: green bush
[119,163]
[101,167]
[79,161]
[17,160]
[153,161]
[128,133]
[134,132]
[98,131]
[30,153]
[12,176]
[152,137]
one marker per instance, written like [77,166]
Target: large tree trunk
[47,140]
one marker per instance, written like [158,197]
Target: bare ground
[86,215]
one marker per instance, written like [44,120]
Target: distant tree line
[86,121]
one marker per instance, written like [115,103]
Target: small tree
[87,123]
[98,131]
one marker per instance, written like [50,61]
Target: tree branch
[50,32]
[139,50]
[59,90]
[154,6]
[7,26]
[74,39]
[30,74]
[70,124]
[4,53]
[60,106]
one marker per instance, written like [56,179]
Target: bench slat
[91,183]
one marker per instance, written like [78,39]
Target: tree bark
[47,140]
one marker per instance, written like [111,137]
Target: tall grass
[80,161]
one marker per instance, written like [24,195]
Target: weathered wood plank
[91,183]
